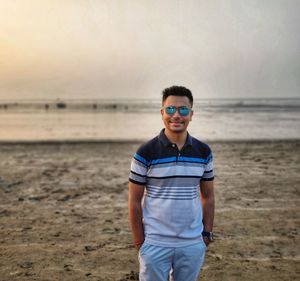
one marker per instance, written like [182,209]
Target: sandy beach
[63,212]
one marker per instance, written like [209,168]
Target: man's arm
[207,198]
[135,196]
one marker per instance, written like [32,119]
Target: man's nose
[176,114]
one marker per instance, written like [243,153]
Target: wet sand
[63,212]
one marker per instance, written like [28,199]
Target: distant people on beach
[171,196]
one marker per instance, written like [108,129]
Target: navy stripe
[137,182]
[143,176]
[208,179]
[206,172]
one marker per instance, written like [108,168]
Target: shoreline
[138,141]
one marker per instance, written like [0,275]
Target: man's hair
[178,91]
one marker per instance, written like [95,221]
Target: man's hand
[138,246]
[206,241]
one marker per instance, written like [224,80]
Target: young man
[171,196]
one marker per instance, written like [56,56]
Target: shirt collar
[163,138]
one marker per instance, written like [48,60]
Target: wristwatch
[209,235]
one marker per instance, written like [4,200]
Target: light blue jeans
[157,262]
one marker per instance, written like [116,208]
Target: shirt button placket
[178,153]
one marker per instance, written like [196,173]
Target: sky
[125,49]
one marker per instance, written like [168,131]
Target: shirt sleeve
[208,174]
[138,169]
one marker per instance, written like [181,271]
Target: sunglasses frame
[177,109]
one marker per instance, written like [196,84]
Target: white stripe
[175,171]
[209,166]
[138,169]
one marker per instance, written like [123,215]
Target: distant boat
[61,105]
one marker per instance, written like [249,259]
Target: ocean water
[114,120]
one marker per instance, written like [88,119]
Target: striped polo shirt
[172,212]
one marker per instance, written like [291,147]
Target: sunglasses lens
[184,111]
[170,110]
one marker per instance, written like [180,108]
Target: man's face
[176,123]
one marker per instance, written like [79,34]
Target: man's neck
[178,138]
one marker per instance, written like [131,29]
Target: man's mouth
[176,123]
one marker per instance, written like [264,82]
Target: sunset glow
[100,49]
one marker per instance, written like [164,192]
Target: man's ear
[192,113]
[162,112]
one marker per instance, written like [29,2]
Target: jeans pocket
[142,248]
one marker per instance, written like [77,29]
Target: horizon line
[144,99]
